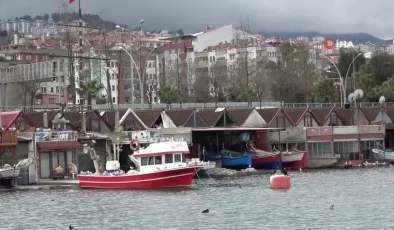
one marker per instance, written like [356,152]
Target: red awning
[58,145]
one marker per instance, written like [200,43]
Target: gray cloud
[340,16]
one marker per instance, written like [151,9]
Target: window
[51,89]
[320,149]
[158,160]
[184,157]
[169,159]
[113,88]
[57,89]
[151,161]
[144,161]
[177,158]
[348,150]
[333,121]
[113,99]
[52,101]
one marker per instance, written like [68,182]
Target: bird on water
[71,227]
[332,207]
[205,211]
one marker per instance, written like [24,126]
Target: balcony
[8,138]
[48,136]
[149,136]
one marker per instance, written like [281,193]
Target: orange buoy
[280,181]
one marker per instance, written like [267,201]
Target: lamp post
[340,76]
[347,73]
[131,57]
[141,76]
[343,81]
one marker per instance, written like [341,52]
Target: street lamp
[347,73]
[141,76]
[340,76]
[132,62]
[343,92]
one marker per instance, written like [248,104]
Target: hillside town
[44,63]
[220,89]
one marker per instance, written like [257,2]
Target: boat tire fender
[134,145]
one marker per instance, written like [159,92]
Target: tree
[201,85]
[382,65]
[169,94]
[294,74]
[152,88]
[326,91]
[261,81]
[375,77]
[29,90]
[91,89]
[345,59]
[218,79]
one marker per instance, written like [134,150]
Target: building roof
[296,114]
[8,119]
[240,115]
[371,112]
[268,114]
[180,117]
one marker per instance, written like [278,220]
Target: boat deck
[58,182]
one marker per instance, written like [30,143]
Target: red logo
[329,43]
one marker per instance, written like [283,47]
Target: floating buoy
[280,181]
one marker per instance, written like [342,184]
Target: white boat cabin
[162,156]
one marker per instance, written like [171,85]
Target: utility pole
[80,47]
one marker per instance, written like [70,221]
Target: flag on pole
[71,1]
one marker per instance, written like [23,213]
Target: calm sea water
[363,199]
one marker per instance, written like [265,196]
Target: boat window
[158,160]
[144,161]
[151,160]
[177,158]
[184,157]
[169,159]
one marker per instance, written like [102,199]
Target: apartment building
[23,82]
[177,61]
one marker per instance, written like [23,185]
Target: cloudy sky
[192,15]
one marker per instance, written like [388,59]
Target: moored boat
[231,159]
[383,155]
[8,173]
[266,160]
[159,165]
[294,160]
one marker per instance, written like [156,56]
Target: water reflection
[362,199]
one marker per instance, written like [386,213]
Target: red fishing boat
[265,160]
[294,160]
[159,165]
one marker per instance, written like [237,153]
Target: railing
[150,135]
[8,138]
[208,105]
[55,136]
[366,129]
[319,131]
[345,130]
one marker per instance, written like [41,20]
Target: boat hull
[294,160]
[9,173]
[382,155]
[272,162]
[238,163]
[180,177]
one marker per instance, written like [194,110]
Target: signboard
[330,43]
